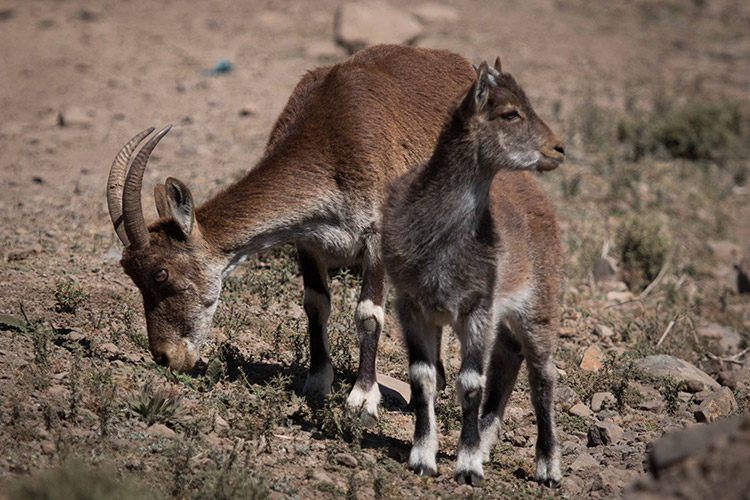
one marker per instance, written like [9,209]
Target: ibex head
[505,125]
[171,262]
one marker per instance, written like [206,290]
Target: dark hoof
[468,477]
[549,483]
[423,470]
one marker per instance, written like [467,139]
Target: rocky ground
[651,100]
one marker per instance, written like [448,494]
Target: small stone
[161,430]
[654,405]
[48,447]
[321,476]
[603,331]
[109,349]
[584,461]
[593,359]
[213,439]
[720,404]
[604,433]
[580,410]
[248,110]
[725,338]
[565,397]
[74,117]
[599,399]
[360,24]
[615,297]
[345,459]
[734,379]
[220,425]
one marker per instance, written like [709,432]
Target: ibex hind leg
[539,340]
[502,371]
[369,318]
[318,308]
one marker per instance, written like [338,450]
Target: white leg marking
[367,309]
[368,399]
[487,439]
[548,469]
[467,382]
[469,460]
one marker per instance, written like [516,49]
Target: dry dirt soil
[80,397]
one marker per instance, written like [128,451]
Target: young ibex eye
[161,276]
[510,116]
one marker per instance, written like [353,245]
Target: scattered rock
[717,405]
[662,365]
[435,13]
[614,478]
[618,297]
[603,331]
[580,410]
[248,110]
[734,379]
[48,447]
[593,359]
[8,322]
[654,404]
[565,397]
[161,430]
[220,425]
[321,476]
[599,398]
[360,24]
[603,433]
[727,339]
[109,350]
[23,254]
[345,459]
[584,461]
[396,389]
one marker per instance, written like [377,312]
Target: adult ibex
[346,132]
[470,241]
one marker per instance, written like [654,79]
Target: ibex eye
[161,276]
[510,116]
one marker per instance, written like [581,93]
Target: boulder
[361,24]
[662,365]
[604,433]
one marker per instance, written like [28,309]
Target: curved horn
[117,173]
[135,224]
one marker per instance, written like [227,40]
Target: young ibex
[346,132]
[470,241]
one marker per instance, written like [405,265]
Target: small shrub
[69,296]
[334,417]
[643,249]
[157,405]
[669,389]
[104,398]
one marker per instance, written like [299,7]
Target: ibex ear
[160,197]
[497,65]
[476,99]
[181,206]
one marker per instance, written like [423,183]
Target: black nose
[559,148]
[161,359]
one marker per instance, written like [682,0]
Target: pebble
[345,459]
[603,433]
[593,359]
[599,399]
[161,430]
[717,405]
[580,410]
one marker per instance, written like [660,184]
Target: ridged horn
[135,224]
[116,181]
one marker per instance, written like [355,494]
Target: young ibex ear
[476,98]
[180,202]
[160,197]
[497,65]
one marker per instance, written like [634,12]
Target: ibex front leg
[318,309]
[472,332]
[369,318]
